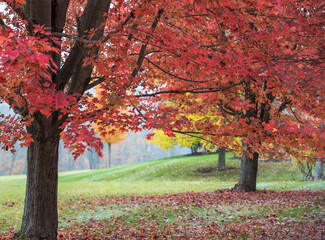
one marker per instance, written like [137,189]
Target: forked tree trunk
[248,172]
[221,159]
[40,219]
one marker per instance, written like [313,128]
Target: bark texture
[248,172]
[40,219]
[249,162]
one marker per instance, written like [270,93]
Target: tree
[112,136]
[13,158]
[165,142]
[109,135]
[50,50]
[256,64]
[306,169]
[93,160]
[221,159]
[319,171]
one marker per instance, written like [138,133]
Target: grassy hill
[184,168]
[183,173]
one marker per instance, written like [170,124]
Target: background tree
[319,171]
[13,158]
[166,142]
[258,66]
[192,141]
[221,159]
[93,159]
[112,136]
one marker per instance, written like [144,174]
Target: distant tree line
[132,150]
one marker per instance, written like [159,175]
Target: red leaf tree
[258,66]
[52,54]
[255,63]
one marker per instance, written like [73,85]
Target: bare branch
[131,15]
[211,134]
[96,82]
[2,23]
[190,134]
[284,104]
[175,76]
[83,40]
[198,15]
[195,90]
[79,51]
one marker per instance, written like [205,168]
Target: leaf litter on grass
[222,214]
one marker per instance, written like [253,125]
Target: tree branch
[96,82]
[20,13]
[145,44]
[131,15]
[92,18]
[175,76]
[195,90]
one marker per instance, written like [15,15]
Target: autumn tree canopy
[258,64]
[232,57]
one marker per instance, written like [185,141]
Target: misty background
[133,149]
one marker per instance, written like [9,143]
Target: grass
[173,169]
[165,176]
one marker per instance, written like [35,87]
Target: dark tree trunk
[109,163]
[40,219]
[248,172]
[221,159]
[73,76]
[249,161]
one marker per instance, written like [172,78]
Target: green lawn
[165,176]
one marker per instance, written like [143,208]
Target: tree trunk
[90,159]
[248,172]
[221,159]
[109,163]
[319,171]
[71,162]
[13,158]
[97,160]
[40,219]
